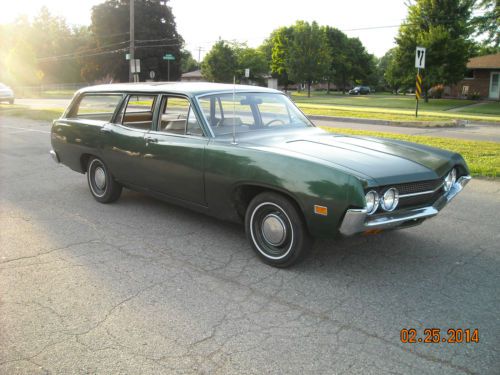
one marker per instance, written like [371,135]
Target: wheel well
[84,160]
[243,195]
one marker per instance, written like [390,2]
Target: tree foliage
[226,61]
[26,56]
[58,53]
[155,35]
[188,63]
[487,25]
[307,53]
[220,63]
[443,28]
[253,59]
[304,53]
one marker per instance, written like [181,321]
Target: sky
[201,23]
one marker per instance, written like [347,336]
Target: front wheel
[102,185]
[276,230]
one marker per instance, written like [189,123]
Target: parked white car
[6,94]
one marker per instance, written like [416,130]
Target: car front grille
[418,187]
[416,194]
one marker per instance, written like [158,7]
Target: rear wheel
[276,230]
[102,185]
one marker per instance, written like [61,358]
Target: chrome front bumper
[357,220]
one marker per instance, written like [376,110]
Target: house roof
[193,74]
[485,62]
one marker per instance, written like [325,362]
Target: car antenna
[234,110]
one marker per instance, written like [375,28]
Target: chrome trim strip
[421,192]
[357,220]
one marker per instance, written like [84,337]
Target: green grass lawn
[394,107]
[483,158]
[490,108]
[47,94]
[45,114]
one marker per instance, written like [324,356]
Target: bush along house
[482,80]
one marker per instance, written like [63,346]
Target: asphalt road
[144,287]
[473,131]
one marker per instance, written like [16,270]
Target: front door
[494,85]
[176,151]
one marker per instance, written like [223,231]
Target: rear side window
[96,107]
[138,113]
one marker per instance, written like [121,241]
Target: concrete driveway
[144,287]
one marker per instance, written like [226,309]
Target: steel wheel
[276,229]
[101,183]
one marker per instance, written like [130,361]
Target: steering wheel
[275,120]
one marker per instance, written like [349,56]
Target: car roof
[186,88]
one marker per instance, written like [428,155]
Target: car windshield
[250,112]
[2,86]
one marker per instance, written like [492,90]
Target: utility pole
[132,43]
[199,55]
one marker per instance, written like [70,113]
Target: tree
[188,63]
[362,64]
[253,59]
[220,63]
[21,64]
[339,69]
[487,25]
[349,60]
[50,36]
[308,56]
[155,35]
[443,27]
[385,69]
[280,45]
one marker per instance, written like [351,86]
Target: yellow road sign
[418,84]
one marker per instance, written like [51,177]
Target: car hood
[383,160]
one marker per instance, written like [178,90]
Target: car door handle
[105,130]
[151,140]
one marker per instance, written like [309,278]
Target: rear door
[176,152]
[125,150]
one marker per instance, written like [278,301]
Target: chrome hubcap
[273,230]
[100,178]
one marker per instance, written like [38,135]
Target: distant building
[194,76]
[482,79]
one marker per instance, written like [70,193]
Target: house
[194,76]
[482,79]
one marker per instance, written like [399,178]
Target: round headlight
[371,202]
[450,179]
[390,199]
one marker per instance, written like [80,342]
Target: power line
[160,45]
[76,53]
[156,40]
[373,28]
[62,58]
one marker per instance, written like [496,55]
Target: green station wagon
[248,154]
